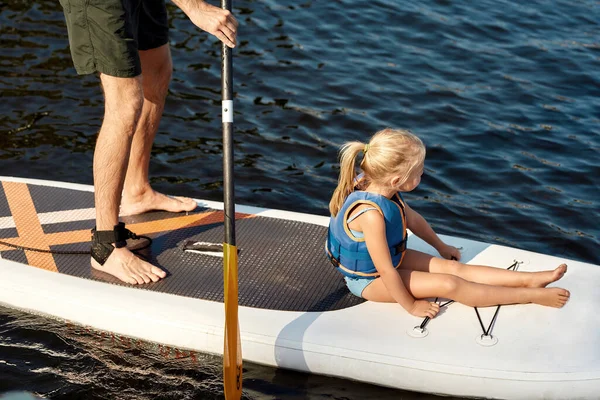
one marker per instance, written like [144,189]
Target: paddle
[232,352]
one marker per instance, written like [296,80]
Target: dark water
[506,96]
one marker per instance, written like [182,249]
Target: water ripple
[505,95]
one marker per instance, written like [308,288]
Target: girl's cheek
[416,183]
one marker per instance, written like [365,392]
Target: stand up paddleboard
[295,311]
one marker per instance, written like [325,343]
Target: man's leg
[138,196]
[124,100]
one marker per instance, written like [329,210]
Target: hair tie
[366,148]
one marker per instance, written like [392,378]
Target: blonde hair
[390,151]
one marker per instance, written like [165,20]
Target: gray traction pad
[282,265]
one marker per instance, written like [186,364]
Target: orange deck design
[281,264]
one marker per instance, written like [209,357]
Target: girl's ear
[395,181]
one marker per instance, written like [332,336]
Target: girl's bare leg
[418,261]
[427,285]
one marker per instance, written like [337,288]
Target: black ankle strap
[118,235]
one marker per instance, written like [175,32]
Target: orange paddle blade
[232,353]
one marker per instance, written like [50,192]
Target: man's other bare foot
[151,200]
[544,278]
[551,297]
[125,266]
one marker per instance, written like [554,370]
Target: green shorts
[106,35]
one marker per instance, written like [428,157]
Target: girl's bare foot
[544,278]
[151,200]
[124,265]
[551,297]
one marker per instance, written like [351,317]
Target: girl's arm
[420,227]
[373,227]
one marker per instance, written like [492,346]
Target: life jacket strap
[338,251]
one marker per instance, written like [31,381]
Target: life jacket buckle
[333,261]
[401,247]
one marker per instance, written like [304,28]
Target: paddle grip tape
[227,109]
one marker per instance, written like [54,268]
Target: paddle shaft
[227,97]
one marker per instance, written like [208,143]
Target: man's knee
[157,77]
[157,67]
[124,99]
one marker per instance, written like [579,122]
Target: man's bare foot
[125,266]
[151,200]
[551,297]
[544,278]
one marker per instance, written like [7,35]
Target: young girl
[367,239]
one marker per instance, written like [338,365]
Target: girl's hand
[449,252]
[424,308]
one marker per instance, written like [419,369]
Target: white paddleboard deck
[294,309]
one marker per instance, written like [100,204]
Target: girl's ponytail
[345,186]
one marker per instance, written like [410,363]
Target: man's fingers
[231,27]
[223,38]
[231,20]
[227,19]
[229,33]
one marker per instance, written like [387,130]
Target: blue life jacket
[348,253]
